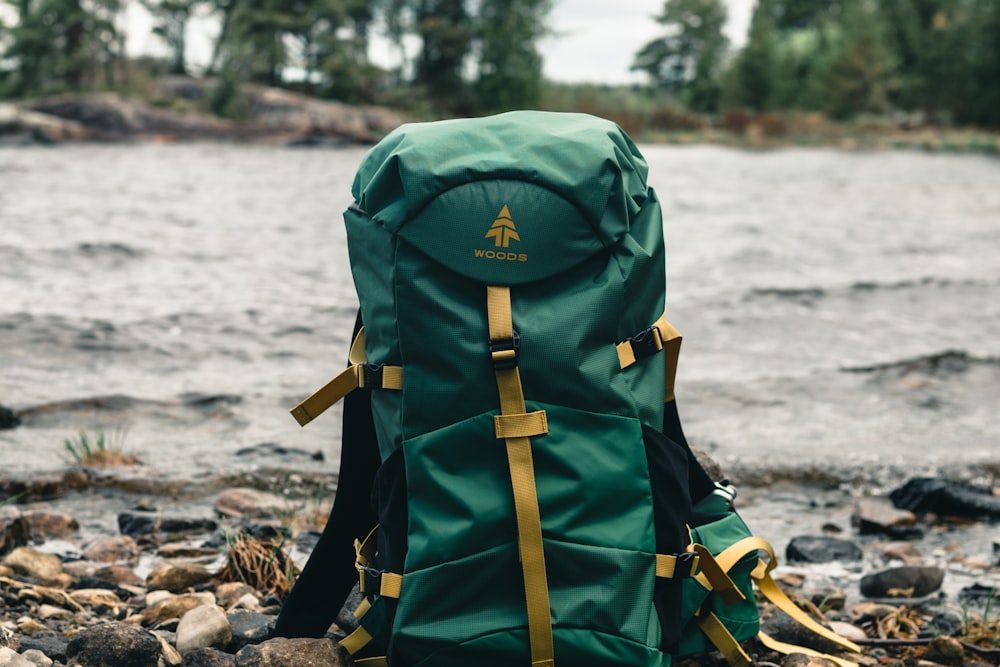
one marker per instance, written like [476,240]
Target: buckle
[371,580]
[505,353]
[646,343]
[371,376]
[687,564]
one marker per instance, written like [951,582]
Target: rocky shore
[194,573]
[175,112]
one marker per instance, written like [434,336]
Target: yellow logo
[503,231]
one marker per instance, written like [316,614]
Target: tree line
[460,57]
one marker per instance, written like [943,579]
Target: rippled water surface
[840,309]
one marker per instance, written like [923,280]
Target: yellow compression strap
[372,662]
[356,641]
[522,476]
[714,577]
[390,583]
[787,649]
[667,339]
[345,382]
[666,567]
[716,631]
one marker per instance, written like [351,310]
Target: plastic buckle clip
[371,376]
[646,343]
[506,353]
[687,564]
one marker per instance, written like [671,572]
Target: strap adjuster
[370,580]
[505,353]
[687,564]
[646,343]
[370,376]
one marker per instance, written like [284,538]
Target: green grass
[100,450]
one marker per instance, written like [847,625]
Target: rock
[877,516]
[54,646]
[908,581]
[203,627]
[945,622]
[15,530]
[113,549]
[282,652]
[904,551]
[8,419]
[945,651]
[272,449]
[803,660]
[47,524]
[785,629]
[208,657]
[113,645]
[10,658]
[37,127]
[848,631]
[118,575]
[6,571]
[248,602]
[947,497]
[37,658]
[29,626]
[175,606]
[251,503]
[36,564]
[139,523]
[101,601]
[821,549]
[228,593]
[48,612]
[249,627]
[171,656]
[177,577]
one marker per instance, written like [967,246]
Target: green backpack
[537,501]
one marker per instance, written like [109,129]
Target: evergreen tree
[510,65]
[172,17]
[688,58]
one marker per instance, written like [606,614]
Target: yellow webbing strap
[666,567]
[380,661]
[522,476]
[716,631]
[363,608]
[521,426]
[714,576]
[667,339]
[390,583]
[344,383]
[787,649]
[356,641]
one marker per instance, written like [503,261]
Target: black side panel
[329,575]
[699,483]
[389,502]
[668,465]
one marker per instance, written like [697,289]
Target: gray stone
[208,657]
[113,645]
[878,516]
[249,627]
[54,646]
[821,549]
[203,627]
[38,658]
[282,652]
[141,523]
[908,581]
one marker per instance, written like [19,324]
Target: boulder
[908,581]
[113,645]
[282,652]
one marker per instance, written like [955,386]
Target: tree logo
[503,231]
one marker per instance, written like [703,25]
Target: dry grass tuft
[260,563]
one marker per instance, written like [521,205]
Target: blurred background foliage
[914,61]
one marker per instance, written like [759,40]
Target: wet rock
[113,549]
[282,652]
[14,529]
[54,646]
[785,629]
[821,549]
[908,581]
[44,567]
[10,658]
[175,606]
[8,419]
[945,651]
[203,627]
[877,516]
[139,523]
[273,449]
[208,657]
[249,627]
[251,503]
[947,497]
[113,645]
[49,524]
[177,577]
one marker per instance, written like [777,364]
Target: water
[839,308]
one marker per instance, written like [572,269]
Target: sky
[594,41]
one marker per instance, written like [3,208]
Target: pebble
[44,567]
[203,627]
[114,549]
[177,577]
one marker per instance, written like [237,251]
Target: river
[839,308]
